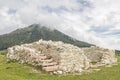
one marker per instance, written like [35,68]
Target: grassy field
[15,71]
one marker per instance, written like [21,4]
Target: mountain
[35,32]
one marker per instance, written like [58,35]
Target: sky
[92,21]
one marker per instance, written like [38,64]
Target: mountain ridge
[34,33]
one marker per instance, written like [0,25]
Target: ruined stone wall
[100,55]
[55,56]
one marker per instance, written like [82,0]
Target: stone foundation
[60,57]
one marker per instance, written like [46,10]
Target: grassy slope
[15,71]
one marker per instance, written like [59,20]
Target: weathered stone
[100,55]
[59,56]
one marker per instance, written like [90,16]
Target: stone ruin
[100,56]
[59,57]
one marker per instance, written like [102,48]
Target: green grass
[15,71]
[3,52]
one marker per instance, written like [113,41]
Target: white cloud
[93,21]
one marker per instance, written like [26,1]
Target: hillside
[34,33]
[117,52]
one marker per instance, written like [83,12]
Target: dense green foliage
[15,71]
[3,52]
[34,33]
[117,52]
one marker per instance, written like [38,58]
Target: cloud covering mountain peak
[93,21]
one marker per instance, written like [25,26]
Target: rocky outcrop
[100,55]
[59,57]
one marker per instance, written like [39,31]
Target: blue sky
[93,21]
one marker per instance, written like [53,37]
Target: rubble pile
[59,57]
